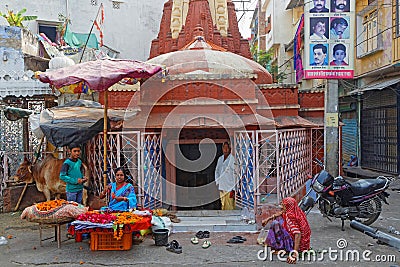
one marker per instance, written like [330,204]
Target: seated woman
[122,195]
[295,222]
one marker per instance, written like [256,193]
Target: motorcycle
[338,198]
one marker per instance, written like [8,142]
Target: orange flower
[124,218]
[51,204]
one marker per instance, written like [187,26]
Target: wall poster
[329,27]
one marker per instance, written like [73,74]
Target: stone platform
[213,221]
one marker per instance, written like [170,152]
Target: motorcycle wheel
[376,205]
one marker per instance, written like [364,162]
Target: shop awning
[378,85]
[13,113]
[293,121]
[294,3]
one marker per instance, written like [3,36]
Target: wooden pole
[20,197]
[26,184]
[105,140]
[90,32]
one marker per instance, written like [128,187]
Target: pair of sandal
[174,246]
[236,239]
[195,240]
[202,234]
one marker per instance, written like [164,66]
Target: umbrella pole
[105,140]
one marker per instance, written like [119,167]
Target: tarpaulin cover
[77,122]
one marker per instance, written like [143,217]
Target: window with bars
[369,39]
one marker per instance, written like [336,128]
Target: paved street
[23,248]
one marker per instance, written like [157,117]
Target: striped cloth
[81,225]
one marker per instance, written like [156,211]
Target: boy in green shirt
[72,173]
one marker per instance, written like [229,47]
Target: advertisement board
[329,27]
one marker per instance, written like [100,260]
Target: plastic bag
[161,223]
[262,236]
[3,240]
[245,214]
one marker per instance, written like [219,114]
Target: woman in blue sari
[121,194]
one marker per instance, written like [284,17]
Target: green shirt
[71,171]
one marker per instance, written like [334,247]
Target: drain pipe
[358,149]
[66,8]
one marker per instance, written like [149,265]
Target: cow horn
[30,169]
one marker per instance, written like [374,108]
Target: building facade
[368,103]
[129,26]
[376,87]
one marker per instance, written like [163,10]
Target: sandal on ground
[194,240]
[235,240]
[174,246]
[200,235]
[206,234]
[240,238]
[175,220]
[206,244]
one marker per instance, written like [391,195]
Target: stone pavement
[23,248]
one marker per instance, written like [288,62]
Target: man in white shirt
[318,28]
[225,179]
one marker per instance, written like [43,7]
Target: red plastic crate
[106,241]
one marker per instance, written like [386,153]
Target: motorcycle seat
[365,186]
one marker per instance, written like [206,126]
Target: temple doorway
[198,178]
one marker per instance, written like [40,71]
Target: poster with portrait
[338,55]
[319,54]
[319,28]
[329,27]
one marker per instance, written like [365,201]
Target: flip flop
[206,244]
[235,241]
[206,234]
[200,235]
[174,247]
[194,240]
[240,237]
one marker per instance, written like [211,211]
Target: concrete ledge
[11,196]
[359,172]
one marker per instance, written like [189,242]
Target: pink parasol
[99,75]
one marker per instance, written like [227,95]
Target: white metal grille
[266,158]
[150,185]
[244,168]
[122,151]
[11,137]
[36,106]
[317,148]
[294,160]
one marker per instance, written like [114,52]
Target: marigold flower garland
[51,204]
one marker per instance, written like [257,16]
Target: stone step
[207,213]
[225,222]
